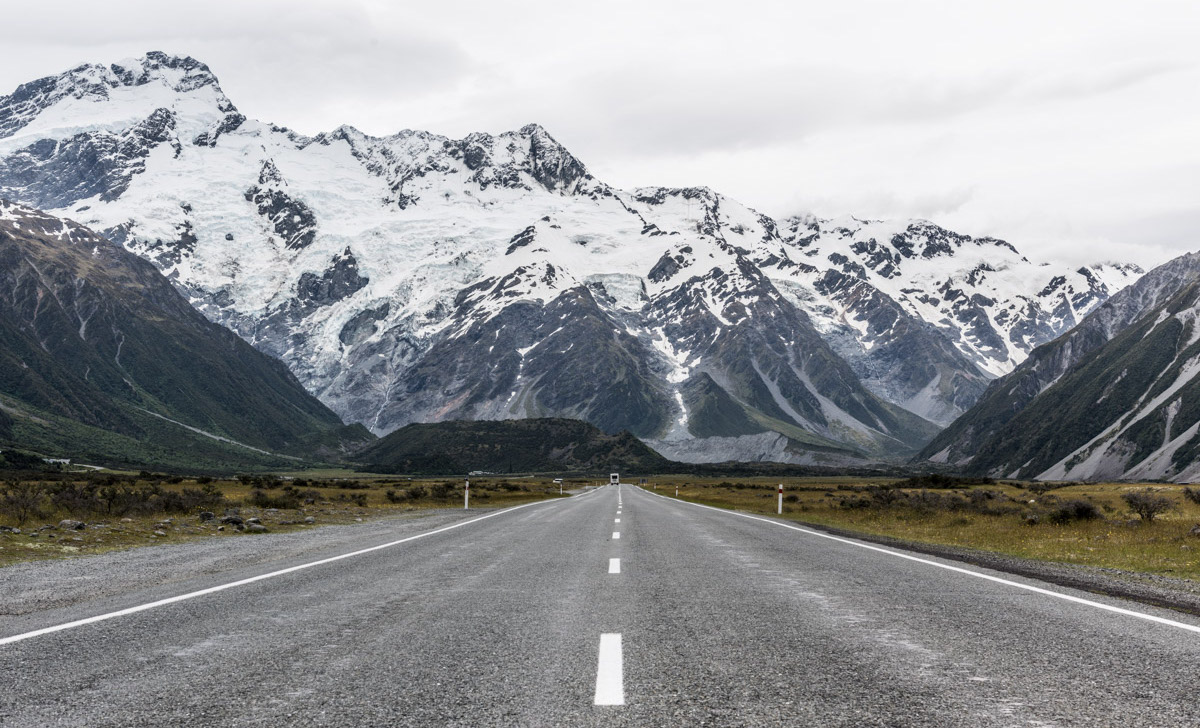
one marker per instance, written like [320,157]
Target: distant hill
[510,446]
[102,360]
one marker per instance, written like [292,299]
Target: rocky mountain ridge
[418,278]
[1109,399]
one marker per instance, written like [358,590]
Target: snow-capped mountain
[420,278]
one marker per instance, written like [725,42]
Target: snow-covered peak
[995,302]
[110,99]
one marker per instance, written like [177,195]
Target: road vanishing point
[617,607]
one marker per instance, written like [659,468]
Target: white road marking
[616,535]
[956,569]
[610,678]
[614,566]
[616,520]
[251,580]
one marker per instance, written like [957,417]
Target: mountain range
[417,278]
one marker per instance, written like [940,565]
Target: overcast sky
[1068,128]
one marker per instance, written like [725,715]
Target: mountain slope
[982,427]
[417,278]
[94,340]
[521,446]
[1130,410]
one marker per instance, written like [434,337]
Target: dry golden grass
[1115,540]
[332,502]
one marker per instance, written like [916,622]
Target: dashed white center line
[614,566]
[616,520]
[616,535]
[610,679]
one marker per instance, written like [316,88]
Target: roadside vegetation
[50,514]
[1151,528]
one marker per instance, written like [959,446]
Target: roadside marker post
[781,499]
[677,491]
[467,494]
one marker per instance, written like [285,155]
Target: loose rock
[68,524]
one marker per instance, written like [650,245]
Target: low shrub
[262,499]
[22,501]
[1073,510]
[1146,504]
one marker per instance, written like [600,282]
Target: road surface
[616,607]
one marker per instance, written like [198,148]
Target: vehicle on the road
[614,479]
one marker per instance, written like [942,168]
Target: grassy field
[128,510]
[1090,524]
[1021,519]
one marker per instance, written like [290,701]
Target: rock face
[1117,397]
[102,358]
[419,278]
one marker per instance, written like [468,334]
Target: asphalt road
[523,618]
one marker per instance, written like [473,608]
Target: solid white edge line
[948,567]
[610,679]
[614,566]
[251,580]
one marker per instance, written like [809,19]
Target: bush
[1040,488]
[886,496]
[262,499]
[416,492]
[1192,494]
[22,501]
[1147,505]
[78,499]
[441,491]
[938,481]
[1073,510]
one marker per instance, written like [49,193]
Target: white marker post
[467,495]
[677,491]
[781,499]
